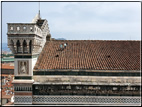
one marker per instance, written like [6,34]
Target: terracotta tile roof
[90,55]
[6,75]
[7,96]
[8,85]
[7,66]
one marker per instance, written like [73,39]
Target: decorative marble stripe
[85,100]
[23,100]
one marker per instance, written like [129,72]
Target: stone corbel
[15,41]
[9,42]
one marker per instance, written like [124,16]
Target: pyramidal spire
[37,17]
[39,9]
[39,13]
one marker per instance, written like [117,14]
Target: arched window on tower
[30,47]
[25,46]
[18,46]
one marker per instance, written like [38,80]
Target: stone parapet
[24,28]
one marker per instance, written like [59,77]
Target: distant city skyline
[79,20]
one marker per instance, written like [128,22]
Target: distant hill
[5,47]
[60,39]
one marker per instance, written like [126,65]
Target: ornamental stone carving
[35,39]
[23,68]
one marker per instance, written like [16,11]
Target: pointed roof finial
[39,8]
[37,17]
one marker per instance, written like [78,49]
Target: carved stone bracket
[15,41]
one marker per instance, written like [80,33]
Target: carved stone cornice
[92,80]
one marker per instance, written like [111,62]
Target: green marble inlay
[23,77]
[25,56]
[83,73]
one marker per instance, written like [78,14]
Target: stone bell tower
[26,41]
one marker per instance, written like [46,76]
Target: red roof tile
[6,75]
[90,54]
[7,66]
[7,96]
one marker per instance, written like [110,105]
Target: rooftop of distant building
[7,66]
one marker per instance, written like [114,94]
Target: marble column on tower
[15,46]
[28,41]
[21,45]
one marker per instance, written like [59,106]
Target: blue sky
[79,20]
